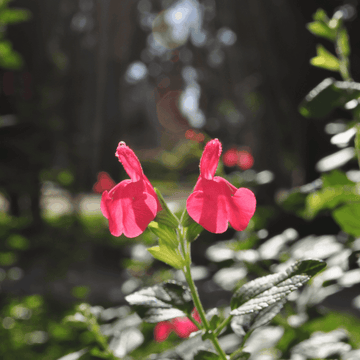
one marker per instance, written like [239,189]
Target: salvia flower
[132,204]
[182,327]
[104,182]
[214,201]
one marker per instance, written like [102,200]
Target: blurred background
[165,76]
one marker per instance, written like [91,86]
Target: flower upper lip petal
[129,161]
[210,159]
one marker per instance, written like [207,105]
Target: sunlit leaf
[75,355]
[262,292]
[321,15]
[161,302]
[165,233]
[325,59]
[165,216]
[319,28]
[348,218]
[323,345]
[329,198]
[167,255]
[244,323]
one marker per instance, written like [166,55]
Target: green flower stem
[195,295]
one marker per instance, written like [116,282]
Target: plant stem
[222,325]
[195,295]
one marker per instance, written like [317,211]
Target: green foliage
[162,302]
[167,254]
[206,355]
[165,216]
[262,292]
[13,16]
[325,59]
[348,218]
[191,228]
[327,96]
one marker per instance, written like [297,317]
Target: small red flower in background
[182,327]
[245,160]
[230,157]
[214,201]
[104,182]
[192,135]
[242,158]
[132,204]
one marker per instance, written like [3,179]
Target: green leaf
[327,96]
[165,233]
[9,58]
[192,229]
[319,28]
[243,356]
[329,198]
[167,255]
[13,16]
[293,202]
[348,218]
[206,355]
[325,59]
[100,353]
[165,216]
[343,42]
[242,324]
[321,15]
[162,302]
[335,177]
[262,292]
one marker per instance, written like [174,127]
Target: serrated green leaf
[325,59]
[319,28]
[165,216]
[165,233]
[167,255]
[242,324]
[267,290]
[348,218]
[162,302]
[206,355]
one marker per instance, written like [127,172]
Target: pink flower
[131,205]
[245,160]
[182,327]
[214,201]
[104,182]
[230,157]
